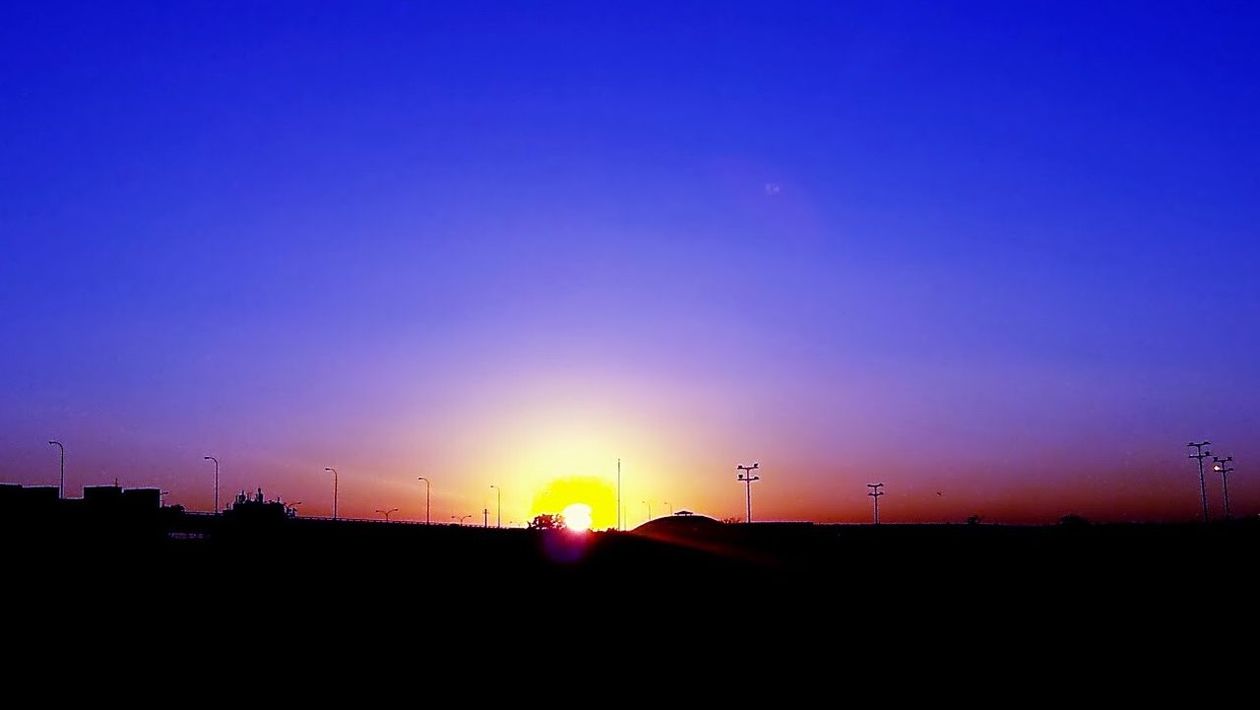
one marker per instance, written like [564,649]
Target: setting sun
[586,502]
[577,517]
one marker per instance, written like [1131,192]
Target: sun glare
[577,517]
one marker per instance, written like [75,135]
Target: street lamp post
[649,507]
[1222,467]
[334,473]
[498,516]
[745,475]
[461,518]
[61,487]
[216,481]
[387,512]
[426,498]
[671,508]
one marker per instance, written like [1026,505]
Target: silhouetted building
[256,509]
[100,496]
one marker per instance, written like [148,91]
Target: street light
[1222,467]
[461,518]
[671,508]
[387,512]
[649,507]
[334,473]
[216,481]
[498,516]
[426,498]
[745,475]
[61,488]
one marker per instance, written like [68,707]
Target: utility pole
[619,527]
[1200,454]
[498,516]
[485,517]
[745,475]
[875,492]
[426,499]
[61,487]
[1222,466]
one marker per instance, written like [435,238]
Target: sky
[999,256]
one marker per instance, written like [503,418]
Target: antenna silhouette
[387,512]
[875,492]
[1200,454]
[1222,466]
[745,475]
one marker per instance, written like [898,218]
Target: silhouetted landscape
[259,556]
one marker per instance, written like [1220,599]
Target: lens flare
[577,517]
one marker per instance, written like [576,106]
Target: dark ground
[955,597]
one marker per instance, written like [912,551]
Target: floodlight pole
[745,475]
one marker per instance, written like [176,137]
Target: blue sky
[975,235]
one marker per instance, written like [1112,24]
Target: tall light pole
[426,498]
[334,473]
[61,487]
[875,493]
[619,523]
[461,518]
[498,516]
[671,508]
[387,512]
[745,475]
[1200,454]
[649,506]
[216,481]
[1222,466]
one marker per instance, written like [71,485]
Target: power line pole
[875,492]
[745,475]
[1200,454]
[1222,466]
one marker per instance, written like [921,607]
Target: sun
[586,502]
[577,517]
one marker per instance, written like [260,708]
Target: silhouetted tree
[547,521]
